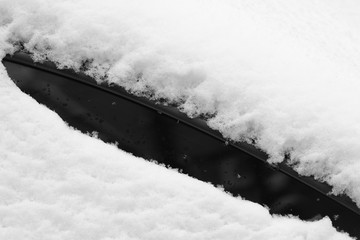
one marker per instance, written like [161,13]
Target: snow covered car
[182,119]
[152,130]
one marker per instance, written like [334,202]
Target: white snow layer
[283,73]
[57,183]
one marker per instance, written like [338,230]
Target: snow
[283,73]
[57,183]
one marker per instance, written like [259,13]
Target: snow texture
[281,73]
[57,183]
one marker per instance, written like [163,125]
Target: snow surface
[57,183]
[283,73]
